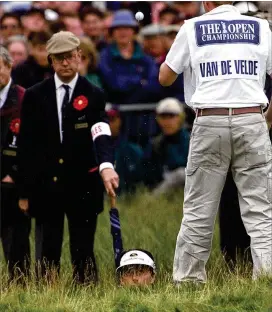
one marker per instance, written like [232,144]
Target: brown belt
[228,111]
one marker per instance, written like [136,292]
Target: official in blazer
[14,224]
[64,149]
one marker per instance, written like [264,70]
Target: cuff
[105,165]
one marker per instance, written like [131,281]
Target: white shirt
[4,94]
[229,55]
[60,92]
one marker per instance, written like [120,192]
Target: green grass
[152,224]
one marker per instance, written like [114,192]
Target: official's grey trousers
[216,142]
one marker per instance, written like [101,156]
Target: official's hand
[23,205]
[111,180]
[7,179]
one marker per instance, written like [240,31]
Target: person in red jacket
[15,226]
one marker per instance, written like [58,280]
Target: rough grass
[152,224]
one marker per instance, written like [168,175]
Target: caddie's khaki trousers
[216,142]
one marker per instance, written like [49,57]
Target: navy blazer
[45,163]
[10,115]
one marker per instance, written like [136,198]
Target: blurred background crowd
[150,123]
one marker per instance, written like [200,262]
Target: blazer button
[55,179]
[61,161]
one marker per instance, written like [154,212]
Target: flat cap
[169,106]
[61,42]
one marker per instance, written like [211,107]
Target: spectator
[166,157]
[68,7]
[72,23]
[156,8]
[137,268]
[36,68]
[167,16]
[142,6]
[92,21]
[14,225]
[53,5]
[34,21]
[127,73]
[1,11]
[10,26]
[18,49]
[128,156]
[107,23]
[156,43]
[153,42]
[170,35]
[56,26]
[187,9]
[89,61]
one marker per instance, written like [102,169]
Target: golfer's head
[136,268]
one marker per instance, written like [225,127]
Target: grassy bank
[152,224]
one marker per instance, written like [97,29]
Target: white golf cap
[136,257]
[169,106]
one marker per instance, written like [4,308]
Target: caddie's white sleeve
[269,60]
[178,58]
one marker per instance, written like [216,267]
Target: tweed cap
[61,42]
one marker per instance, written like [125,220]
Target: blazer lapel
[10,105]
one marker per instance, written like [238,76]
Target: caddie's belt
[228,111]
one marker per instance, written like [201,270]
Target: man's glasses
[59,58]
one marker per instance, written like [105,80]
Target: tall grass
[149,223]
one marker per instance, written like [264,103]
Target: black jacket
[10,114]
[45,163]
[28,73]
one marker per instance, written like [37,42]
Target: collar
[223,9]
[59,83]
[5,90]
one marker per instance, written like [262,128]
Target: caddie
[229,54]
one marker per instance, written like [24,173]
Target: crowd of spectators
[121,56]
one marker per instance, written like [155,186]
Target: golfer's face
[136,276]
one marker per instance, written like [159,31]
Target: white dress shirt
[4,94]
[60,92]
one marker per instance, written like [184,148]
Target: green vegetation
[152,224]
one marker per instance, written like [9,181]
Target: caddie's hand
[7,179]
[23,205]
[111,180]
